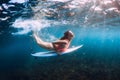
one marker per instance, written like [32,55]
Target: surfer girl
[59,46]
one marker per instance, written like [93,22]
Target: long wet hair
[66,35]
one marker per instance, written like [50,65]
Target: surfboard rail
[52,53]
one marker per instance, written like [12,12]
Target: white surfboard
[51,53]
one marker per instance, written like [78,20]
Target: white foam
[25,26]
[18,1]
[5,6]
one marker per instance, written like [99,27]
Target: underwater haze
[95,24]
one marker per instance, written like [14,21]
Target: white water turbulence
[90,11]
[48,13]
[25,26]
[18,1]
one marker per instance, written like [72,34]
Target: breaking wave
[50,13]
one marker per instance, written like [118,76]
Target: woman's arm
[37,39]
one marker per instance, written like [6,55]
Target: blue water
[98,59]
